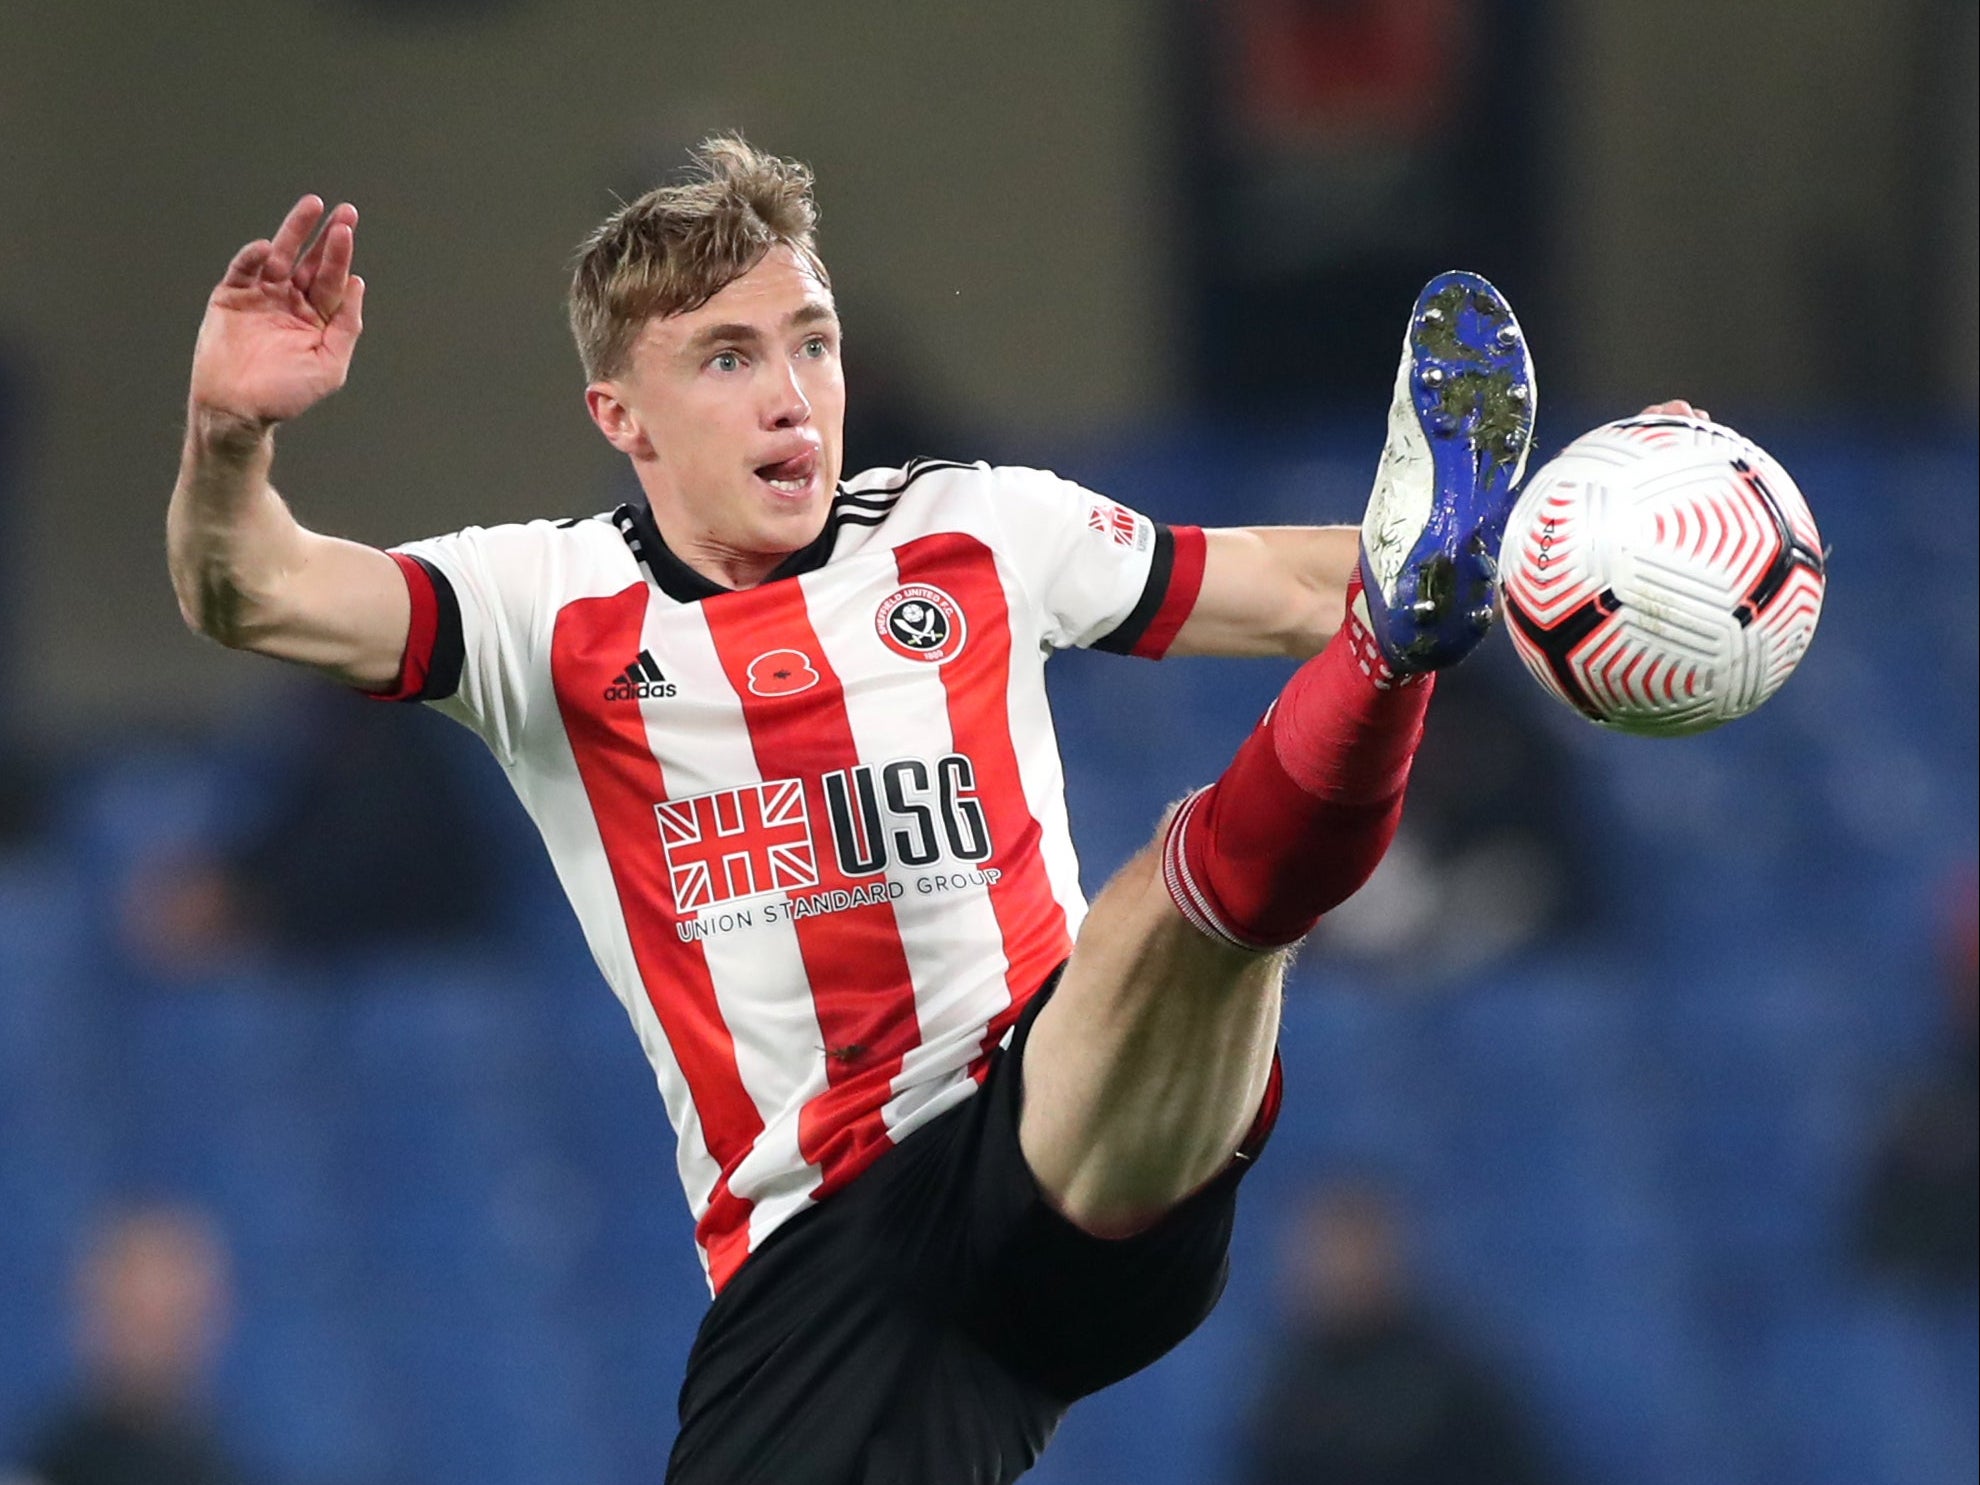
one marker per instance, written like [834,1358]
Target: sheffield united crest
[921,622]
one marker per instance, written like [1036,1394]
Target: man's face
[734,414]
[155,1304]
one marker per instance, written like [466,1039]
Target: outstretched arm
[1270,590]
[1282,590]
[277,338]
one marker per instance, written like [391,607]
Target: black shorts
[931,1323]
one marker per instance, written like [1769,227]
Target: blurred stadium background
[1638,1034]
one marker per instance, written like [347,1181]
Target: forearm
[229,537]
[249,575]
[1271,590]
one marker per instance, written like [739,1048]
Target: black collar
[868,505]
[681,582]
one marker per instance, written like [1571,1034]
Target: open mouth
[790,476]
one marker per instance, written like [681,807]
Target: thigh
[1150,1063]
[1059,1307]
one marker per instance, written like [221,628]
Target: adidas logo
[641,681]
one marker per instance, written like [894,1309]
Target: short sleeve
[1102,575]
[478,635]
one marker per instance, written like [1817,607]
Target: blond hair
[678,246]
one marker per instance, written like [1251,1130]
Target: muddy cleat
[1459,431]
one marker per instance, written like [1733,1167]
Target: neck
[718,568]
[724,565]
[704,551]
[708,556]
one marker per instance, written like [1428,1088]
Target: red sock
[1309,804]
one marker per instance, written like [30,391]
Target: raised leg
[1147,1069]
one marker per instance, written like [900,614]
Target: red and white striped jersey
[815,830]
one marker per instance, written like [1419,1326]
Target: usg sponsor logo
[907,813]
[912,825]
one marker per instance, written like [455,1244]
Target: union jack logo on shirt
[1112,521]
[733,843]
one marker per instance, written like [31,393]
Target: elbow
[217,611]
[207,626]
[197,609]
[192,612]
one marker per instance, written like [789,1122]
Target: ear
[616,420]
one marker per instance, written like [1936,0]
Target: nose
[785,405]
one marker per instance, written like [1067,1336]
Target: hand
[279,330]
[1677,407]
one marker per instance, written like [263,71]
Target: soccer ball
[1662,575]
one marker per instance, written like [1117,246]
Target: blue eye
[815,347]
[725,361]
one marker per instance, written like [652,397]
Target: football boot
[1460,427]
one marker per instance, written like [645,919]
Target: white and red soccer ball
[1662,575]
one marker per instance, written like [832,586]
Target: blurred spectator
[1367,1389]
[367,835]
[1920,1215]
[152,1299]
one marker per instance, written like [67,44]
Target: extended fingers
[291,235]
[307,266]
[327,270]
[311,261]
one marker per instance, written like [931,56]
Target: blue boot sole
[1472,386]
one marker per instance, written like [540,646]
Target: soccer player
[959,1150]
